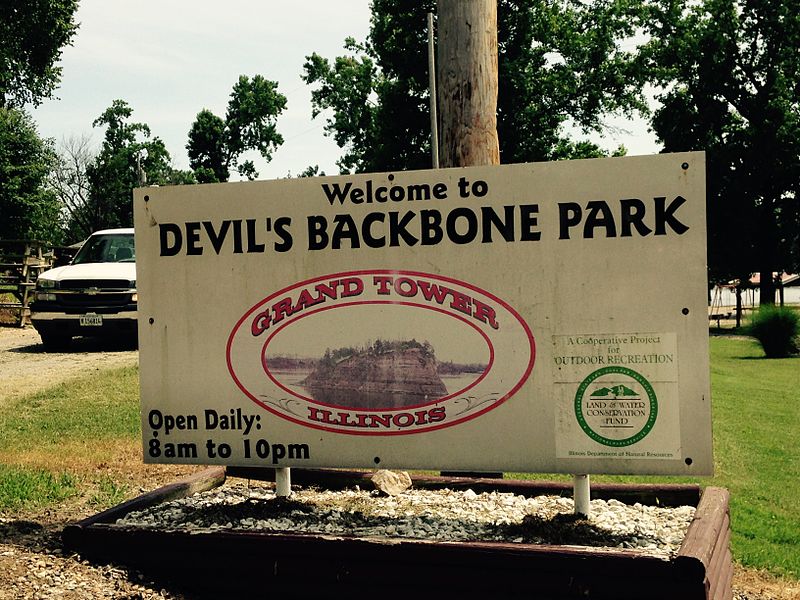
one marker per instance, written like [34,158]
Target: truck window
[106,248]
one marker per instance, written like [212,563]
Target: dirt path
[25,366]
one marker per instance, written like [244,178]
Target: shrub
[776,329]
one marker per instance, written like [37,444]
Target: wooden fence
[21,261]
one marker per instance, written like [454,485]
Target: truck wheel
[52,340]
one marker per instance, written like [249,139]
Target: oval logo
[380,352]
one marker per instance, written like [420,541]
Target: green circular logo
[616,406]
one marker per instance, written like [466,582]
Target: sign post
[283,482]
[581,494]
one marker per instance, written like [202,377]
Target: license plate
[91,320]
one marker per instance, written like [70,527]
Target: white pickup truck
[94,295]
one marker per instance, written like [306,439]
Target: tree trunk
[766,288]
[768,248]
[738,305]
[467,80]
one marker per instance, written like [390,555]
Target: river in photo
[377,400]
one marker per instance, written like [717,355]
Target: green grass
[25,488]
[757,440]
[65,428]
[109,493]
[756,405]
[104,406]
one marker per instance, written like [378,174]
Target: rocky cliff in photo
[382,375]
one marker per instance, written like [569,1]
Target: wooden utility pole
[467,82]
[466,73]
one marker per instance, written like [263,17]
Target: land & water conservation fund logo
[616,406]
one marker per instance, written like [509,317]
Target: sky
[168,60]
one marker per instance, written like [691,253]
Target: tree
[559,64]
[563,64]
[731,72]
[349,89]
[310,171]
[216,145]
[70,183]
[206,147]
[128,152]
[32,34]
[29,207]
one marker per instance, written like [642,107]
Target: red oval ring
[506,396]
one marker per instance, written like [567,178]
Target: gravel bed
[439,515]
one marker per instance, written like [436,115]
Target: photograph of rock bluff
[382,375]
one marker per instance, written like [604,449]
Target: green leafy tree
[559,65]
[206,147]
[29,207]
[180,177]
[731,71]
[312,171]
[562,64]
[32,34]
[216,145]
[128,157]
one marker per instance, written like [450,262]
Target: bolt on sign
[533,317]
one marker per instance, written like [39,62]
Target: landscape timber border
[310,564]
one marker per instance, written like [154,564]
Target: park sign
[546,317]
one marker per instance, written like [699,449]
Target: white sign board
[534,318]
